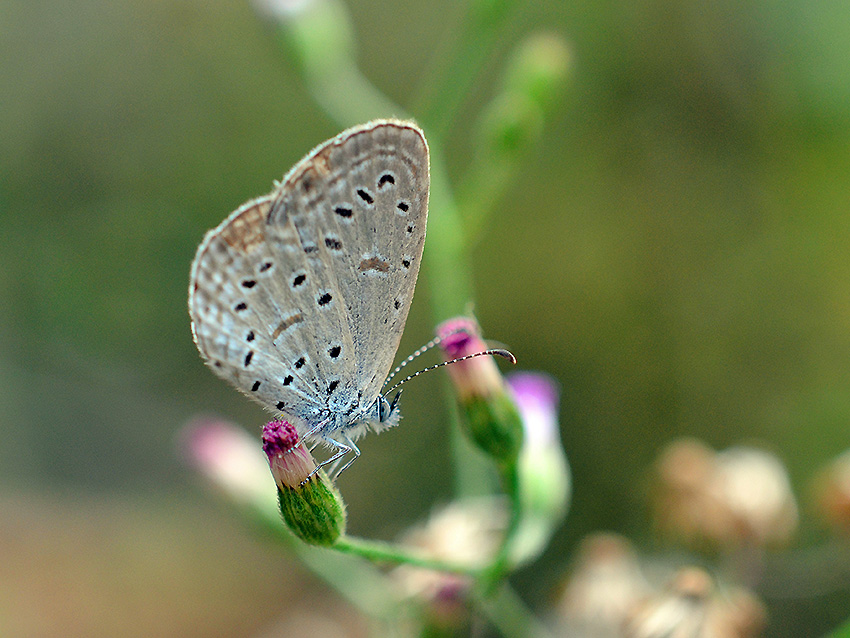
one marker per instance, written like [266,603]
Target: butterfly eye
[384,409]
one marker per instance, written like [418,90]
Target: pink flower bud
[309,503]
[478,377]
[488,411]
[291,464]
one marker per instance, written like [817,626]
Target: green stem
[320,38]
[474,44]
[379,551]
[362,584]
[350,99]
[496,572]
[447,256]
[510,615]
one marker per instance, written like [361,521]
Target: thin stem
[474,44]
[446,256]
[510,615]
[319,36]
[362,584]
[501,564]
[379,551]
[350,99]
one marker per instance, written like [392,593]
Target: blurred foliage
[675,251]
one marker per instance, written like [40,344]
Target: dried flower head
[605,584]
[466,532]
[678,612]
[693,607]
[741,496]
[832,493]
[754,486]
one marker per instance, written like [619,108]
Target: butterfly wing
[299,298]
[359,206]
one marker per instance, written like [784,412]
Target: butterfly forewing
[299,298]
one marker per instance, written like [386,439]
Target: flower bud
[309,503]
[539,68]
[544,476]
[306,27]
[488,411]
[229,459]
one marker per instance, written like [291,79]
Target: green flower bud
[539,69]
[488,411]
[310,504]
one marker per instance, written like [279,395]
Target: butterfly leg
[350,446]
[313,432]
[341,450]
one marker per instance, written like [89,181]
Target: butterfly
[299,298]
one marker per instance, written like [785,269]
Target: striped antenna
[431,344]
[501,352]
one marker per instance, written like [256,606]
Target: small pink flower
[537,398]
[487,410]
[228,457]
[474,378]
[291,464]
[309,502]
[542,465]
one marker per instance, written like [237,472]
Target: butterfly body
[299,297]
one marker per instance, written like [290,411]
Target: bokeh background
[675,251]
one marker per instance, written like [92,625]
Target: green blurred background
[676,251]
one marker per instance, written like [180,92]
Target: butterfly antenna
[501,352]
[431,344]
